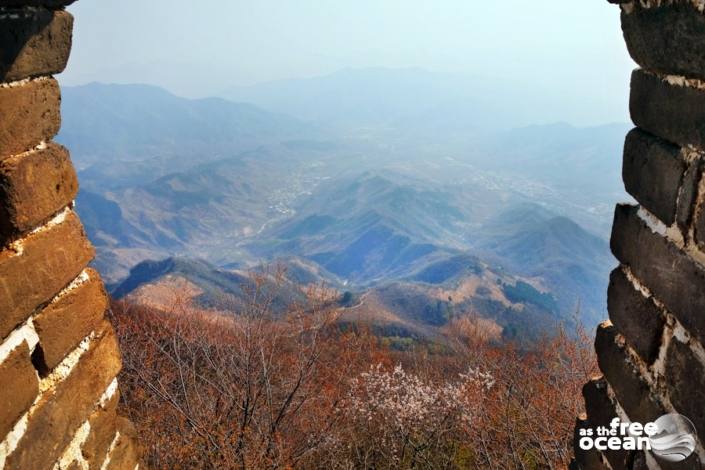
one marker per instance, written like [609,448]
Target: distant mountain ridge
[132,122]
[363,210]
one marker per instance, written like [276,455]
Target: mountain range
[207,190]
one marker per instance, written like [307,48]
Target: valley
[423,230]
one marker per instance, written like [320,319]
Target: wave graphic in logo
[674,440]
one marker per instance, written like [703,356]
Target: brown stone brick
[50,259]
[672,112]
[125,455]
[33,42]
[29,114]
[631,390]
[62,411]
[669,273]
[652,171]
[103,424]
[635,316]
[668,39]
[685,380]
[19,387]
[68,319]
[33,187]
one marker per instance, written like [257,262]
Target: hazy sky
[201,47]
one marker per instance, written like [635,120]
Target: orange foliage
[255,390]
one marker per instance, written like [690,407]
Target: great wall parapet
[59,357]
[651,351]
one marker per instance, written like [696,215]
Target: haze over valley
[419,200]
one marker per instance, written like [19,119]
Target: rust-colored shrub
[258,390]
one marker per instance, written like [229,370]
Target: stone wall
[650,351]
[58,355]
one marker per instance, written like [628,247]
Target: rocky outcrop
[650,351]
[59,357]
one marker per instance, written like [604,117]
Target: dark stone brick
[635,316]
[669,273]
[675,113]
[49,261]
[29,114]
[632,392]
[33,42]
[20,386]
[685,379]
[60,412]
[33,187]
[601,412]
[652,170]
[669,39]
[585,459]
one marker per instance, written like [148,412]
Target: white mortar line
[17,246]
[109,393]
[83,277]
[113,444]
[26,332]
[73,453]
[672,233]
[61,371]
[24,81]
[59,218]
[18,156]
[9,444]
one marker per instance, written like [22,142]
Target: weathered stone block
[673,112]
[29,114]
[635,316]
[34,42]
[20,386]
[600,412]
[103,424]
[60,412]
[652,171]
[68,319]
[585,459]
[125,455]
[668,39]
[685,379]
[48,260]
[630,389]
[669,273]
[33,187]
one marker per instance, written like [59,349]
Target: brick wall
[58,355]
[650,351]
